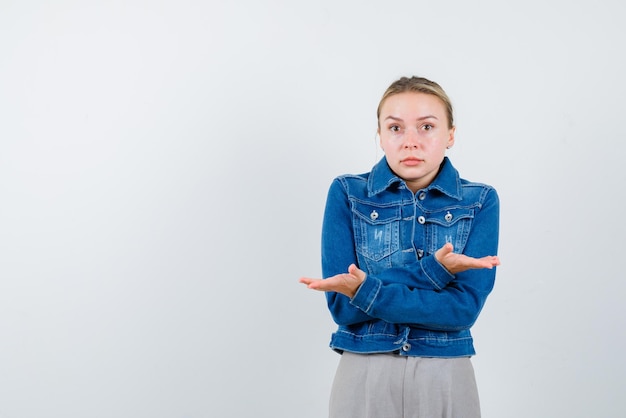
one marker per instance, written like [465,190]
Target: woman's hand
[344,283]
[348,283]
[456,263]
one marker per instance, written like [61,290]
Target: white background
[163,170]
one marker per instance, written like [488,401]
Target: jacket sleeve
[338,252]
[455,305]
[425,274]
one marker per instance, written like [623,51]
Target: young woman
[408,257]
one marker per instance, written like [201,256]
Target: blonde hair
[418,85]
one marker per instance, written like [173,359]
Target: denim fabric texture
[409,303]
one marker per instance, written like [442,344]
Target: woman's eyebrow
[419,119]
[427,117]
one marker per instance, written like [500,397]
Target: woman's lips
[411,161]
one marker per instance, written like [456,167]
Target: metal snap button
[406,347]
[448,217]
[422,196]
[421,220]
[374,215]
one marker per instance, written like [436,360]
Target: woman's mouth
[411,161]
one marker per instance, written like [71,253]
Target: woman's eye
[394,128]
[427,127]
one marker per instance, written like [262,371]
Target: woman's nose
[410,139]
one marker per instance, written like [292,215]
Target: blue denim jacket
[409,303]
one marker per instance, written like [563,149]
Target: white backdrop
[163,170]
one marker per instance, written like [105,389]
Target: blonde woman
[408,260]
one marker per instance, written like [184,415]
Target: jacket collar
[447,181]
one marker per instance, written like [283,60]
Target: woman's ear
[451,138]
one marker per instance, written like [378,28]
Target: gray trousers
[393,386]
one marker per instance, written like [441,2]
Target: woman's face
[414,135]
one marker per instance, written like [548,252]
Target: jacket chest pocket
[376,229]
[449,225]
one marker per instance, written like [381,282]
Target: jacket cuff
[366,294]
[436,273]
